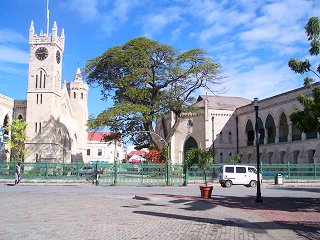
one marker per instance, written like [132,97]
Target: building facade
[100,151]
[228,124]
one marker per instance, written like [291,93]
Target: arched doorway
[189,144]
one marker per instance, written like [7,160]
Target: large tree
[146,80]
[308,119]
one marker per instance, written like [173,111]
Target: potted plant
[203,158]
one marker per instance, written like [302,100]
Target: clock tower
[44,83]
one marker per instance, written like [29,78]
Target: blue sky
[252,39]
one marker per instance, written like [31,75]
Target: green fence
[144,174]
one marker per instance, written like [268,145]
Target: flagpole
[47,17]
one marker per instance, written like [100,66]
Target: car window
[251,169]
[230,169]
[240,169]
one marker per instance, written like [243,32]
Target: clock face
[58,56]
[42,53]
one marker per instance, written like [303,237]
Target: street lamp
[1,141]
[256,109]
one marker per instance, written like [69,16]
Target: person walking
[17,174]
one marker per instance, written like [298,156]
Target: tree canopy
[146,80]
[308,119]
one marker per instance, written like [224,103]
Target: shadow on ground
[273,206]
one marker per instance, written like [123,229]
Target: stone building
[227,124]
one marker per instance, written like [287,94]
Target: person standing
[17,174]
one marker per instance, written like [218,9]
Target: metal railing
[144,174]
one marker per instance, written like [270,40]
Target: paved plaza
[82,211]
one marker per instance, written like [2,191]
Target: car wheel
[228,184]
[223,185]
[253,184]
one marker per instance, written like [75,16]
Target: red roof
[97,136]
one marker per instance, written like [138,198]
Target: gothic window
[220,137]
[37,81]
[271,129]
[44,81]
[36,127]
[37,98]
[81,95]
[250,133]
[221,158]
[230,137]
[40,98]
[260,131]
[40,79]
[40,127]
[88,152]
[74,95]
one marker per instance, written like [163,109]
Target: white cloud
[7,35]
[13,55]
[155,23]
[88,9]
[261,81]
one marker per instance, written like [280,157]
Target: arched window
[74,95]
[250,133]
[5,124]
[220,138]
[221,158]
[40,79]
[81,95]
[37,81]
[260,131]
[37,99]
[36,127]
[44,81]
[230,137]
[40,98]
[271,129]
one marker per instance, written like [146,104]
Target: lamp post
[1,141]
[256,109]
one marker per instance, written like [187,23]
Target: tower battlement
[46,38]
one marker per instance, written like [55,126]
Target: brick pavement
[81,212]
[30,215]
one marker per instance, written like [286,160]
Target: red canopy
[137,152]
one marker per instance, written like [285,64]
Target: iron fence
[144,174]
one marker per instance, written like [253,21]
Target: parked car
[238,175]
[86,170]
